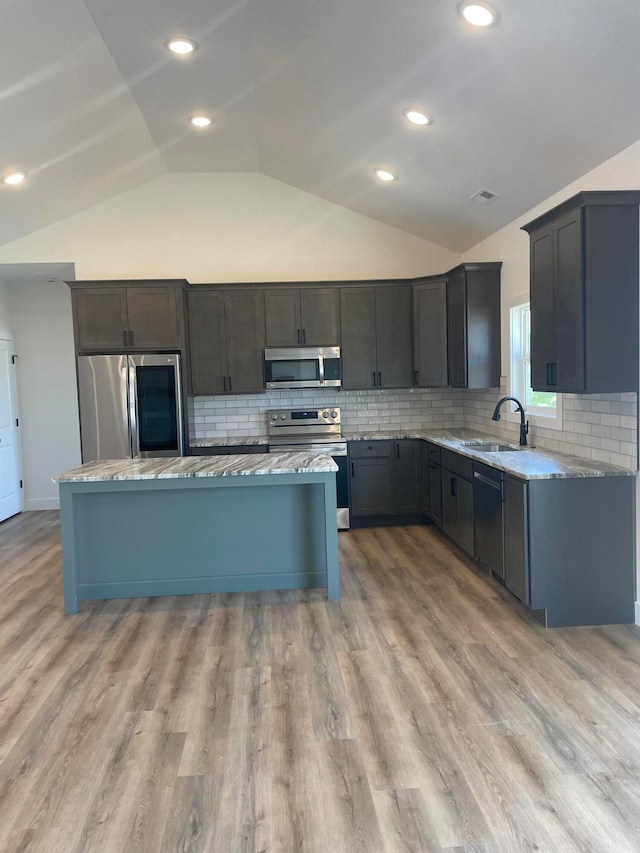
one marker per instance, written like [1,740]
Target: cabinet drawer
[435,453]
[458,464]
[369,449]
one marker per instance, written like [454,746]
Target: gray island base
[198,525]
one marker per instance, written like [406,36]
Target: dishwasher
[488,497]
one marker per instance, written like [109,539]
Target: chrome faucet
[524,427]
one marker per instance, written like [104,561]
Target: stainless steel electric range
[316,429]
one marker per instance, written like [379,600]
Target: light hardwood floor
[424,711]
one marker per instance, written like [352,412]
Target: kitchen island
[188,525]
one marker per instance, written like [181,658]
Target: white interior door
[10,491]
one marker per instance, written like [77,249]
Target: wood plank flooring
[423,711]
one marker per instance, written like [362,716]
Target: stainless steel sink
[494,447]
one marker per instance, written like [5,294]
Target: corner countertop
[531,464]
[182,467]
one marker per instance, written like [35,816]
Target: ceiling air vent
[484,196]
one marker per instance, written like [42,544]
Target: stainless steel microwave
[303,367]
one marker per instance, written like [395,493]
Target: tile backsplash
[602,426]
[595,426]
[229,416]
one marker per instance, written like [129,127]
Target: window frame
[539,416]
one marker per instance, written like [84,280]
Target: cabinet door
[435,493]
[207,342]
[450,503]
[393,336]
[282,311]
[457,510]
[357,311]
[465,516]
[371,487]
[516,536]
[100,315]
[408,476]
[457,328]
[430,334]
[542,310]
[426,503]
[569,304]
[244,336]
[154,318]
[319,308]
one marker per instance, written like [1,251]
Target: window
[543,405]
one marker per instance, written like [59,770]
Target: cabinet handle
[416,377]
[554,373]
[126,337]
[304,336]
[374,378]
[131,344]
[379,379]
[397,451]
[224,383]
[229,379]
[353,470]
[454,487]
[548,373]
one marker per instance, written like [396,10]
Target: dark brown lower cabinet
[457,509]
[407,471]
[371,472]
[386,478]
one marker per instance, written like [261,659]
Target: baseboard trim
[637,612]
[41,503]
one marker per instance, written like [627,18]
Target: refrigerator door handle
[132,392]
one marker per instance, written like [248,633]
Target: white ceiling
[311,92]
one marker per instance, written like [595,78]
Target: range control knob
[325,414]
[283,417]
[274,416]
[334,414]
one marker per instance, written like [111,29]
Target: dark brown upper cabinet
[125,317]
[226,340]
[584,294]
[474,325]
[376,337]
[302,316]
[430,334]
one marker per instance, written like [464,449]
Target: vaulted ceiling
[311,92]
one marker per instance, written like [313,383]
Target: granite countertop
[258,440]
[181,467]
[530,464]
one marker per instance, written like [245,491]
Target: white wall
[43,335]
[226,228]
[5,319]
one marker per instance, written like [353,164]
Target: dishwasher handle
[487,481]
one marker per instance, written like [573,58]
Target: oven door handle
[331,449]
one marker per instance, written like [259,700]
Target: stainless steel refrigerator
[130,406]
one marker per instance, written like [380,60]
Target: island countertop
[181,467]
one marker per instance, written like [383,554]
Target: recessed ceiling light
[416,117]
[14,177]
[385,175]
[181,46]
[200,121]
[478,14]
